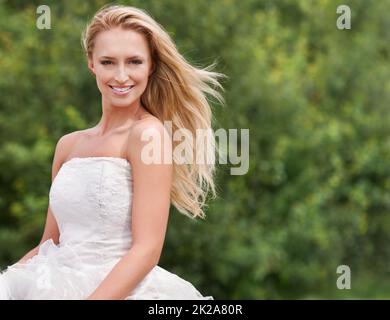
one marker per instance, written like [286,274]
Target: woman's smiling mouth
[121,90]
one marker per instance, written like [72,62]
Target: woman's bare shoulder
[146,115]
[142,131]
[69,139]
[62,150]
[147,121]
[65,144]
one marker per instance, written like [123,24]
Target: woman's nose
[121,75]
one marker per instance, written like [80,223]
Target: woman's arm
[150,212]
[51,228]
[50,232]
[29,255]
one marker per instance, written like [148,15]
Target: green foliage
[315,99]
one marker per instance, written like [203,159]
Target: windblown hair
[176,92]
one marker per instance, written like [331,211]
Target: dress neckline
[81,159]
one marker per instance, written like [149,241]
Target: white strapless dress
[91,201]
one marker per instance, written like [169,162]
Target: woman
[109,208]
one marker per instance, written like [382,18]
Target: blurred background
[315,98]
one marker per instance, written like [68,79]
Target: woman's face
[122,64]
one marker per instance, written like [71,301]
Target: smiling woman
[108,209]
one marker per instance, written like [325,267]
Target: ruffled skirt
[59,273]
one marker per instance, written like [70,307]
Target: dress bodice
[91,201]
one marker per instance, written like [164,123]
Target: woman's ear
[91,66]
[152,69]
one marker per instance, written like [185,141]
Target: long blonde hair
[176,92]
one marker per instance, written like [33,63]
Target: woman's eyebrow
[131,57]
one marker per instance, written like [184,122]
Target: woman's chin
[119,102]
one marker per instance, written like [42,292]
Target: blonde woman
[108,208]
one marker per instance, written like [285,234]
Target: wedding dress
[91,201]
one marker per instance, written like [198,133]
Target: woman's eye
[136,61]
[105,62]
